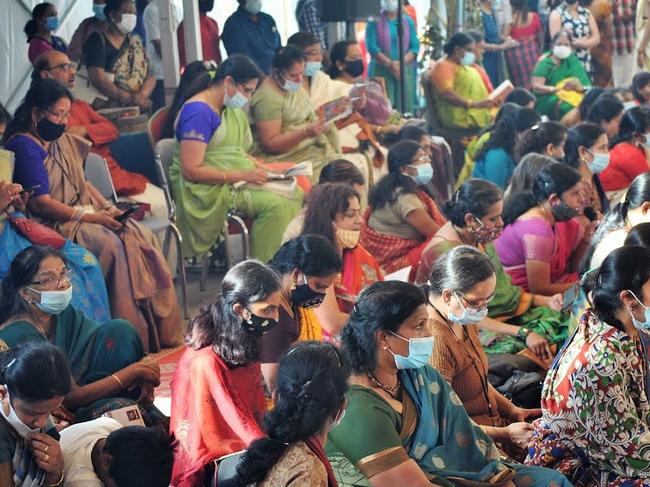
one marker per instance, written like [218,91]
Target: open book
[502,91]
[335,110]
[303,169]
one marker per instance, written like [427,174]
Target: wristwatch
[523,333]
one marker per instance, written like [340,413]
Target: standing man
[624,59]
[252,32]
[209,35]
[308,17]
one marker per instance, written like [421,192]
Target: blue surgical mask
[291,86]
[420,350]
[312,67]
[54,302]
[628,105]
[254,6]
[645,325]
[468,59]
[236,101]
[469,316]
[98,10]
[600,162]
[52,23]
[424,175]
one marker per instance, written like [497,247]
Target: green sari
[571,67]
[93,350]
[296,112]
[202,208]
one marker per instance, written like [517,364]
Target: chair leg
[181,267]
[205,265]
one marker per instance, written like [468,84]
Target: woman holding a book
[212,172]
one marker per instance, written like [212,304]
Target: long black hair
[640,81]
[380,306]
[31,27]
[502,137]
[394,184]
[35,371]
[326,201]
[193,72]
[555,178]
[218,326]
[337,54]
[538,137]
[582,135]
[606,108]
[41,95]
[475,196]
[639,235]
[635,121]
[312,381]
[21,272]
[587,102]
[313,255]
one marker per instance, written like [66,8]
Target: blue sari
[88,288]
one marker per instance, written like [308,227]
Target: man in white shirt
[152,22]
[102,453]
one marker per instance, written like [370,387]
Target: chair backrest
[225,469]
[164,154]
[157,125]
[99,176]
[431,115]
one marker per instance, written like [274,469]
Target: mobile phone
[569,296]
[127,213]
[30,189]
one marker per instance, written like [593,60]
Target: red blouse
[626,162]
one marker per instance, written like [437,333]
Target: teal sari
[433,429]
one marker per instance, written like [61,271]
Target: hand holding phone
[127,214]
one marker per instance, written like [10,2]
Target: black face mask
[206,5]
[354,68]
[257,325]
[571,2]
[49,131]
[305,297]
[563,212]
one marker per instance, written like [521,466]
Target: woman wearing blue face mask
[401,217]
[594,426]
[286,125]
[404,425]
[107,360]
[34,380]
[461,286]
[39,30]
[214,137]
[96,23]
[628,155]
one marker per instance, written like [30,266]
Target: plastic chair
[97,173]
[223,471]
[156,125]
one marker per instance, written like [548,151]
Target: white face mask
[254,6]
[561,52]
[128,23]
[291,85]
[12,418]
[54,302]
[389,5]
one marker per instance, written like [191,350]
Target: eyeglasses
[421,160]
[59,116]
[65,277]
[477,304]
[247,90]
[62,67]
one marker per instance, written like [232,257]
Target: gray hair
[459,269]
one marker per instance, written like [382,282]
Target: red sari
[216,411]
[359,270]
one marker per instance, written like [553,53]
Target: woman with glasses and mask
[217,396]
[116,60]
[460,289]
[107,361]
[401,216]
[308,267]
[404,425]
[286,125]
[539,255]
[309,402]
[515,319]
[211,162]
[595,411]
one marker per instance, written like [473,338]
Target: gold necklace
[390,390]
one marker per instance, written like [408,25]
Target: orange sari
[359,270]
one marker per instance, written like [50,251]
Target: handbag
[36,233]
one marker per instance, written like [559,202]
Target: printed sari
[433,429]
[202,208]
[131,66]
[360,269]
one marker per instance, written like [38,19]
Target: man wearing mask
[96,23]
[251,32]
[209,35]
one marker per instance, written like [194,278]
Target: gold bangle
[114,376]
[57,483]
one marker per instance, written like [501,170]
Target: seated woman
[139,284]
[39,29]
[539,255]
[308,267]
[607,111]
[594,422]
[586,150]
[107,360]
[516,319]
[462,284]
[217,397]
[641,88]
[211,161]
[34,380]
[117,61]
[401,217]
[286,126]
[337,171]
[523,178]
[334,212]
[404,425]
[460,94]
[310,402]
[522,97]
[618,221]
[559,79]
[628,154]
[545,138]
[495,161]
[383,47]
